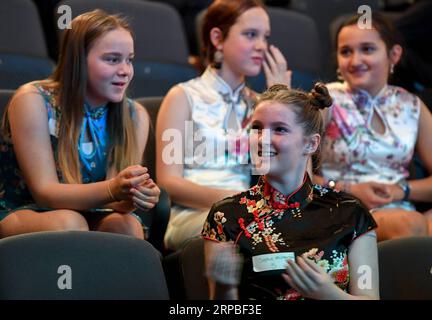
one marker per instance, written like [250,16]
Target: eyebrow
[118,54]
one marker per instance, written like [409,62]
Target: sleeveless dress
[354,152]
[215,147]
[14,193]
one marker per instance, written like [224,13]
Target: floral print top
[353,151]
[262,221]
[14,193]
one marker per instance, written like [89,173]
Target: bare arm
[30,136]
[174,112]
[421,189]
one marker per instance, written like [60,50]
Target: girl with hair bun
[297,240]
[214,110]
[373,129]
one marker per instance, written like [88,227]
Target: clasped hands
[134,185]
[375,194]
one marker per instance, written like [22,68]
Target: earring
[339,75]
[217,59]
[392,68]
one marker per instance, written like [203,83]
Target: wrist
[110,189]
[403,184]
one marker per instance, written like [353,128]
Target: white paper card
[271,261]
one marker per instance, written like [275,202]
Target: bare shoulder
[176,98]
[27,101]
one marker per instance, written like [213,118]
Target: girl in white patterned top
[373,129]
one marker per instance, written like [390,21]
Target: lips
[119,84]
[257,60]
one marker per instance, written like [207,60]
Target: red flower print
[333,131]
[341,275]
[243,200]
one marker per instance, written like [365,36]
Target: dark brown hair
[222,14]
[385,28]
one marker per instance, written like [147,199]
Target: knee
[69,220]
[126,224]
[417,224]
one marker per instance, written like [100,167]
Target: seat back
[5,96]
[158,30]
[405,268]
[152,105]
[185,272]
[21,29]
[80,265]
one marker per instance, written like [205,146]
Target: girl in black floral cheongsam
[297,240]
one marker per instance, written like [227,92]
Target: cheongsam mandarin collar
[297,199]
[211,77]
[366,104]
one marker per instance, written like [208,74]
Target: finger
[294,272]
[142,204]
[271,62]
[268,75]
[147,191]
[311,266]
[278,57]
[135,171]
[305,273]
[136,181]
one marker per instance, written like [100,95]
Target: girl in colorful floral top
[72,144]
[297,240]
[202,153]
[373,129]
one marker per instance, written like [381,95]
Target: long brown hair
[70,77]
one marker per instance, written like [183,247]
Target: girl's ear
[216,38]
[395,54]
[312,144]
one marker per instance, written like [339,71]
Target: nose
[125,69]
[355,58]
[261,44]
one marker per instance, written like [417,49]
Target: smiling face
[246,42]
[363,58]
[109,67]
[281,143]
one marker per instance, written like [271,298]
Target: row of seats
[96,265]
[160,44]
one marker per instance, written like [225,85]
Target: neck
[288,183]
[233,79]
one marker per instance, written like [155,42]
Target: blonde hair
[70,78]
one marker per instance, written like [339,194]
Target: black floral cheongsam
[270,228]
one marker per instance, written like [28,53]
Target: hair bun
[319,96]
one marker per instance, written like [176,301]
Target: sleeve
[214,226]
[363,220]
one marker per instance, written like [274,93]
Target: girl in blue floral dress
[297,240]
[72,145]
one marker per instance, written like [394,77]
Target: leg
[428,216]
[26,221]
[398,223]
[124,223]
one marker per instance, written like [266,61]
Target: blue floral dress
[270,228]
[14,193]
